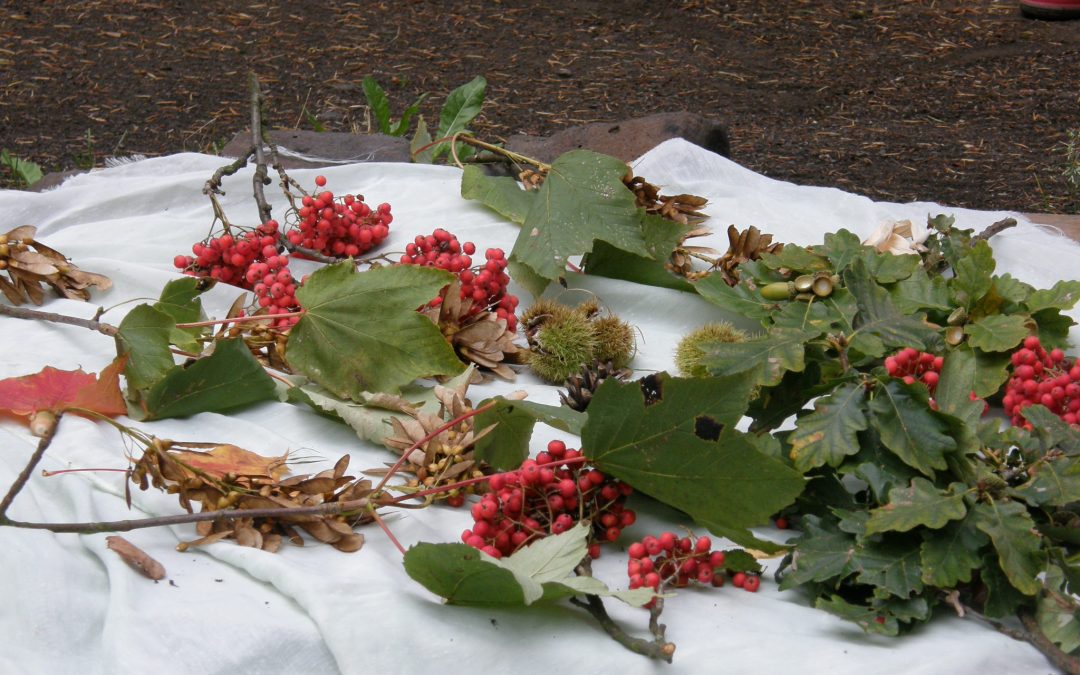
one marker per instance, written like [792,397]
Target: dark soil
[959,101]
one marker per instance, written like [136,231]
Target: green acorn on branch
[563,339]
[690,351]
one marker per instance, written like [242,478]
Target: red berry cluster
[339,227]
[227,258]
[485,285]
[275,288]
[548,495]
[1042,377]
[667,560]
[911,365]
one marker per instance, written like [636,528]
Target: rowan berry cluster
[485,284]
[548,495]
[670,561]
[1042,377]
[339,227]
[227,258]
[911,365]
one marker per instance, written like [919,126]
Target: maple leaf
[56,391]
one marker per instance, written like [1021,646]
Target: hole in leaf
[707,428]
[652,389]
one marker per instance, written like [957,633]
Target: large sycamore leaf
[674,440]
[909,428]
[229,378]
[360,331]
[948,555]
[765,359]
[501,194]
[918,504]
[542,571]
[59,390]
[144,335]
[830,433]
[507,445]
[582,200]
[180,300]
[1018,545]
[607,261]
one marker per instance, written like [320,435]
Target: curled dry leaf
[229,478]
[136,557]
[29,264]
[899,238]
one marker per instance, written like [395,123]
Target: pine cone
[580,388]
[749,244]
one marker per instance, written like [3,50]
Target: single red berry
[751,583]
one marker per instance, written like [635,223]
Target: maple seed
[136,557]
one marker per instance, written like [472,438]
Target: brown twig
[24,475]
[1067,663]
[654,649]
[38,315]
[284,514]
[260,178]
[999,226]
[212,187]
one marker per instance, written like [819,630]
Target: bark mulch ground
[956,101]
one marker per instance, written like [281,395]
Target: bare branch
[24,475]
[38,315]
[260,178]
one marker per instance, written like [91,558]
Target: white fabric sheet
[71,605]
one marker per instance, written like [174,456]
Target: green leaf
[830,433]
[377,101]
[908,427]
[1002,598]
[607,261]
[878,466]
[919,292]
[773,405]
[740,300]
[796,259]
[766,358]
[421,139]
[144,336]
[229,378]
[180,300]
[892,565]
[886,268]
[1053,328]
[1056,483]
[1062,295]
[919,504]
[680,448]
[1052,430]
[991,371]
[950,554]
[542,571]
[583,200]
[462,106]
[1019,549]
[402,126]
[26,172]
[507,445]
[878,316]
[1057,612]
[870,619]
[361,332]
[841,248]
[974,275]
[997,332]
[501,194]
[820,315]
[1011,289]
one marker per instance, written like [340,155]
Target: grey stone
[312,149]
[628,139]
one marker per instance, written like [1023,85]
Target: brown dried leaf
[350,543]
[249,536]
[136,557]
[271,543]
[209,539]
[227,459]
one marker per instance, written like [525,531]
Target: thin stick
[37,315]
[999,226]
[260,178]
[650,648]
[1067,663]
[284,513]
[24,476]
[212,188]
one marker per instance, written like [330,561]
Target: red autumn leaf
[58,390]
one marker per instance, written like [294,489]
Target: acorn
[822,286]
[778,290]
[804,283]
[689,353]
[954,335]
[958,317]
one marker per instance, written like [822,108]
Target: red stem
[50,474]
[389,534]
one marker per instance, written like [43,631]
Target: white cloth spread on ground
[70,604]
